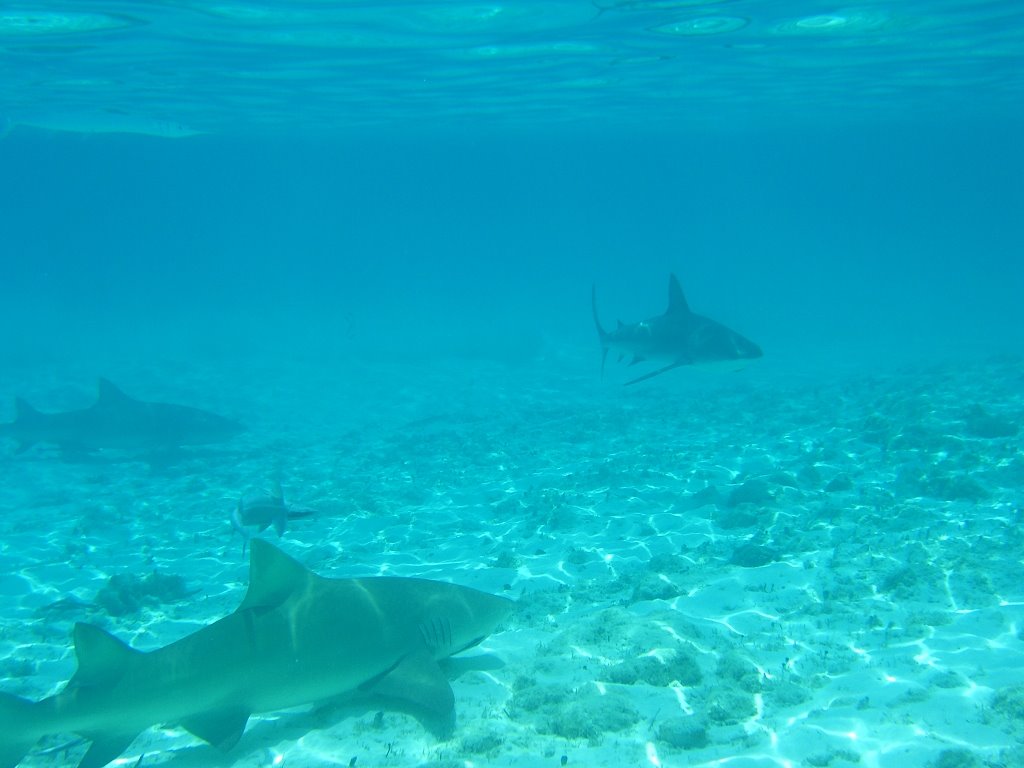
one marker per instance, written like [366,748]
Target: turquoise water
[369,233]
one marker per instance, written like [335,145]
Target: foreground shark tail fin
[17,734]
[602,334]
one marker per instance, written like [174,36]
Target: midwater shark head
[680,336]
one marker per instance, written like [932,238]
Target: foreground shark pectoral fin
[222,728]
[417,679]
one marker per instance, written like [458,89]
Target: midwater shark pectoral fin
[418,680]
[652,374]
[222,728]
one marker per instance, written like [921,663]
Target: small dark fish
[264,511]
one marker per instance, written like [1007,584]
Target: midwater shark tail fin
[25,415]
[602,334]
[17,736]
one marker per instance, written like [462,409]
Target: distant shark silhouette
[263,511]
[120,422]
[679,336]
[297,638]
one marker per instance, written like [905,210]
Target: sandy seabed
[749,570]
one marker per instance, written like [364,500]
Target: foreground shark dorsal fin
[222,727]
[102,658]
[110,394]
[273,576]
[676,300]
[417,679]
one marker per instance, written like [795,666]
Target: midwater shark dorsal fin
[102,658]
[676,300]
[273,576]
[110,394]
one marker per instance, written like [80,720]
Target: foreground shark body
[679,336]
[297,638]
[264,511]
[117,421]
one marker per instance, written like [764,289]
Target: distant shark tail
[602,334]
[18,728]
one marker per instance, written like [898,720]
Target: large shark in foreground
[679,336]
[118,421]
[297,638]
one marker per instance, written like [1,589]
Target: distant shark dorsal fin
[109,393]
[676,300]
[273,576]
[24,411]
[102,658]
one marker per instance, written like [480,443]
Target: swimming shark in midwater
[260,512]
[297,638]
[117,421]
[680,336]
